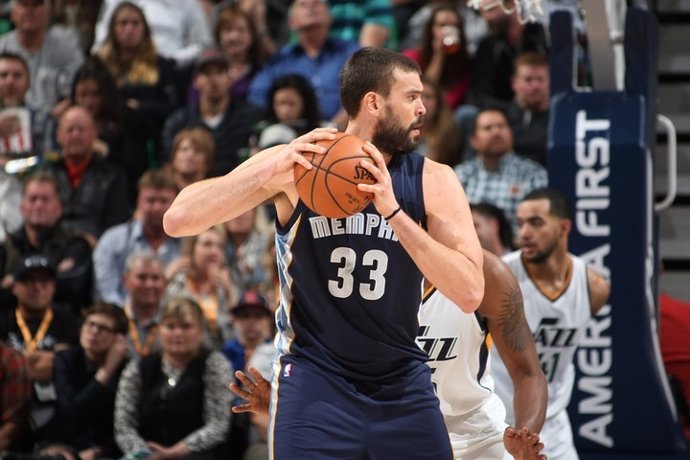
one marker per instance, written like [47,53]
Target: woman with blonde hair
[202,274]
[146,81]
[192,156]
[174,403]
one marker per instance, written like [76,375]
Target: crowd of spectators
[125,338]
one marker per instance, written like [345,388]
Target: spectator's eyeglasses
[89,324]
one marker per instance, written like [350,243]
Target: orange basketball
[330,187]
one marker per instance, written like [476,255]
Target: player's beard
[392,137]
[542,256]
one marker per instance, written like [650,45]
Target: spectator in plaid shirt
[15,394]
[496,175]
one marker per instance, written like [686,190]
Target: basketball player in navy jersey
[560,295]
[457,346]
[350,381]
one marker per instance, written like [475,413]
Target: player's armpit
[599,290]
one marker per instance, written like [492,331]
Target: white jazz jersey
[557,326]
[456,343]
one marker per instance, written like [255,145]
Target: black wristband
[394,213]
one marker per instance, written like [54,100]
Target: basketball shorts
[317,415]
[479,434]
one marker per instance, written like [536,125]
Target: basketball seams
[318,168]
[335,193]
[335,199]
[364,199]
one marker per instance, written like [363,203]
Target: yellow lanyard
[142,349]
[208,304]
[31,342]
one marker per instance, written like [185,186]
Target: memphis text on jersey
[368,224]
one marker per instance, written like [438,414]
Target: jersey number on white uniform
[346,259]
[549,364]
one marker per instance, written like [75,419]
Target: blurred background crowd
[118,340]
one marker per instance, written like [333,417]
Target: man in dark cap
[38,330]
[251,321]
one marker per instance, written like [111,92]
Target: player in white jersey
[560,295]
[457,345]
[458,348]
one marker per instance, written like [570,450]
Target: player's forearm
[454,274]
[529,402]
[213,201]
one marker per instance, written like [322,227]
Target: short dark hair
[310,105]
[490,211]
[496,109]
[9,55]
[559,204]
[112,311]
[157,179]
[370,69]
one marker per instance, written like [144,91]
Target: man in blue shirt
[497,175]
[315,56]
[157,190]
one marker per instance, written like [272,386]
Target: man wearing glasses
[86,378]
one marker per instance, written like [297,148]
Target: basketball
[330,187]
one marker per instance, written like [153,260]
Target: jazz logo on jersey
[548,334]
[438,348]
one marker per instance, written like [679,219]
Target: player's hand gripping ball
[330,187]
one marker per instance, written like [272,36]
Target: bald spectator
[157,190]
[496,174]
[529,111]
[93,192]
[52,54]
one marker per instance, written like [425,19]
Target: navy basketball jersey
[349,292]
